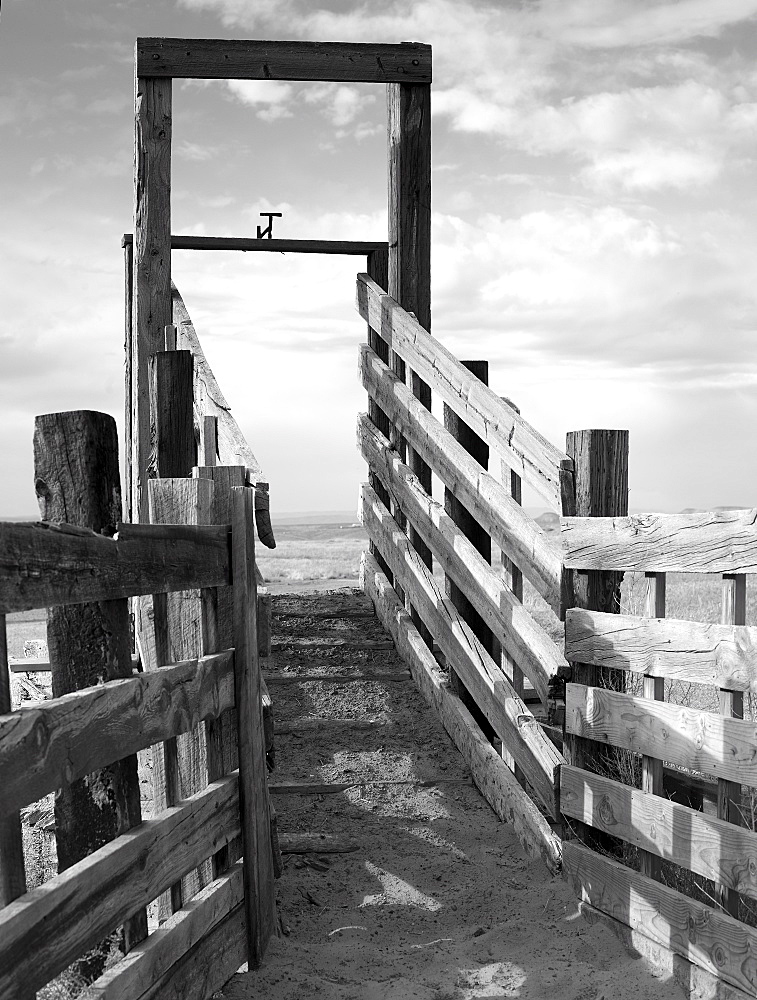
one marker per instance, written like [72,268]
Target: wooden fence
[56,742]
[470,643]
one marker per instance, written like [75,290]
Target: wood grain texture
[73,911]
[12,870]
[721,655]
[488,685]
[495,781]
[652,779]
[722,541]
[713,940]
[248,59]
[151,964]
[354,248]
[525,450]
[516,534]
[260,896]
[48,745]
[129,376]
[42,565]
[512,624]
[173,452]
[686,737]
[152,261]
[703,844]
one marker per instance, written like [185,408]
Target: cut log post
[12,872]
[180,769]
[128,248]
[601,490]
[77,481]
[172,447]
[260,899]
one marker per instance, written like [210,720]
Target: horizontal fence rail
[721,655]
[527,452]
[355,248]
[45,564]
[711,542]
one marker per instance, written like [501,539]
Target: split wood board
[500,426]
[494,779]
[722,541]
[250,59]
[354,248]
[520,635]
[714,940]
[232,445]
[703,844]
[46,564]
[686,737]
[488,685]
[519,537]
[51,744]
[153,960]
[721,655]
[43,931]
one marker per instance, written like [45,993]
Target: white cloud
[270,97]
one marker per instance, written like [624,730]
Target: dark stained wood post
[152,261]
[409,142]
[128,248]
[77,482]
[173,451]
[600,460]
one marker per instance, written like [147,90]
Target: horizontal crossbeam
[248,59]
[356,248]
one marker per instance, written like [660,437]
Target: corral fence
[639,800]
[55,743]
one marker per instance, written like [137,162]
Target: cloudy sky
[594,228]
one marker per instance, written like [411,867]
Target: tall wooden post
[409,148]
[12,871]
[152,261]
[128,248]
[77,481]
[600,460]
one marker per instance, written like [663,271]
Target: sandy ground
[437,901]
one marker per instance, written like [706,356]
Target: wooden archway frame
[405,69]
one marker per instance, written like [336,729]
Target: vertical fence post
[471,528]
[218,634]
[152,261]
[128,248]
[12,872]
[732,706]
[653,688]
[409,148]
[77,481]
[600,460]
[260,899]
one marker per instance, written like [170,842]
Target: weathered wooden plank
[706,845]
[686,737]
[260,896]
[499,425]
[152,261]
[721,541]
[153,961]
[47,745]
[173,452]
[46,929]
[513,625]
[251,59]
[515,533]
[488,685]
[494,779]
[652,777]
[233,448]
[354,248]
[42,565]
[721,655]
[713,940]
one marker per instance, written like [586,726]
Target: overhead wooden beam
[355,248]
[252,59]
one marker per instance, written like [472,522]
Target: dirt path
[438,901]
